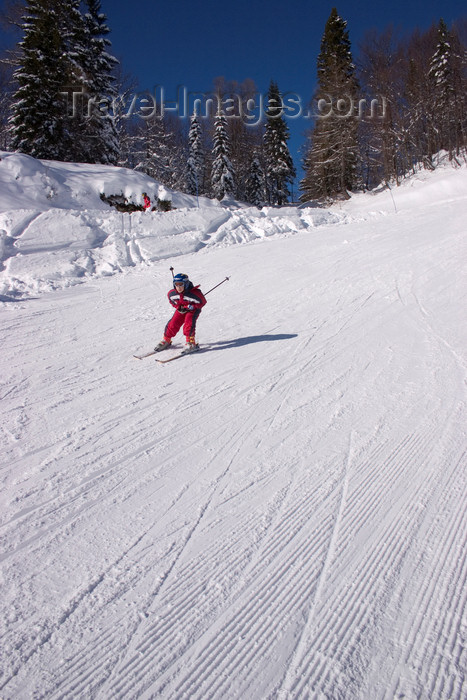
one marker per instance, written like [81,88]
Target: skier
[188,301]
[147,202]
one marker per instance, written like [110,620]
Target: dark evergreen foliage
[255,186]
[280,170]
[95,68]
[64,73]
[196,160]
[448,95]
[331,159]
[222,173]
[40,110]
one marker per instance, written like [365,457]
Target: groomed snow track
[279,516]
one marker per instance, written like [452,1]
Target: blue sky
[192,43]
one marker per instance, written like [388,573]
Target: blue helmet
[181,279]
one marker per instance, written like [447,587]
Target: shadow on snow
[237,342]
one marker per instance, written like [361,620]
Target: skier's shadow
[238,342]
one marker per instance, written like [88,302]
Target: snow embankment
[55,231]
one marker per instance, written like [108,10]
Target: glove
[182,309]
[190,307]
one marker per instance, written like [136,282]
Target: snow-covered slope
[279,516]
[55,231]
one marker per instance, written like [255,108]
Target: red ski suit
[188,307]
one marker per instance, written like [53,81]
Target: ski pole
[172,271]
[217,285]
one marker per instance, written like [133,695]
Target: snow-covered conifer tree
[63,58]
[40,108]
[196,161]
[280,170]
[255,184]
[95,66]
[446,78]
[330,163]
[222,174]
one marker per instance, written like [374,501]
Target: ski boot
[191,345]
[163,345]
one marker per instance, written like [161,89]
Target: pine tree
[255,187]
[222,174]
[39,119]
[446,77]
[5,107]
[64,58]
[196,161]
[95,67]
[331,161]
[244,138]
[280,170]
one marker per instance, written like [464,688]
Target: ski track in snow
[280,516]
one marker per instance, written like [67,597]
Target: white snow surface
[281,515]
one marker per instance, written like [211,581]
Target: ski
[176,357]
[147,354]
[169,359]
[152,352]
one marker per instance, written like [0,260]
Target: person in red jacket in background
[188,301]
[147,202]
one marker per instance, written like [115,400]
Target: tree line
[63,97]
[413,93]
